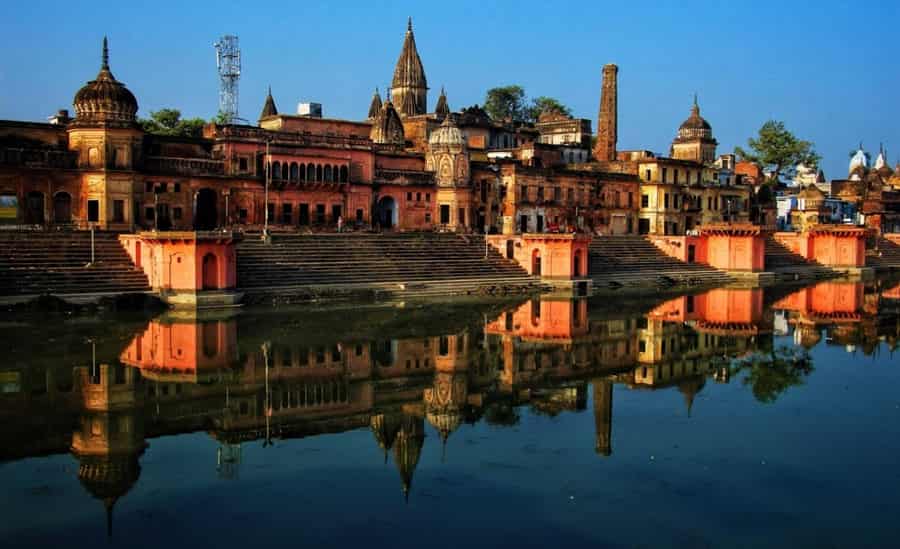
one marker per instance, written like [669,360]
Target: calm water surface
[733,418]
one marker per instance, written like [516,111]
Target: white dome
[859,160]
[880,162]
[447,135]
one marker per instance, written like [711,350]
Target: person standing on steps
[340,223]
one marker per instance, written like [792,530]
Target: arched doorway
[210,272]
[62,208]
[577,271]
[387,212]
[536,263]
[207,215]
[34,208]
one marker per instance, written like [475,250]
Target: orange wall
[173,263]
[557,253]
[736,252]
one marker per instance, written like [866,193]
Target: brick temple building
[402,167]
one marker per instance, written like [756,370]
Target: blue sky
[828,69]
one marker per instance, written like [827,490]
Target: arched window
[302,172]
[318,172]
[344,174]
[276,170]
[294,173]
[285,170]
[310,172]
[327,172]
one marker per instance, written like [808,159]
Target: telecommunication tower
[228,63]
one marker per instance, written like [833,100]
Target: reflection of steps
[887,256]
[412,263]
[628,260]
[34,262]
[780,259]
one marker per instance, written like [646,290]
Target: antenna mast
[228,63]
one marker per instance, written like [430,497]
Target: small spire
[105,59]
[409,24]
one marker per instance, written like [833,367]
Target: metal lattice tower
[228,63]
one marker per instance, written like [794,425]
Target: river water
[731,418]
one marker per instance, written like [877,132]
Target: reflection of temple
[109,438]
[242,383]
[684,339]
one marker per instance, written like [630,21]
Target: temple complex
[403,168]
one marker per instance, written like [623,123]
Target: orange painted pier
[560,259]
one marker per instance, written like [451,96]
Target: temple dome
[442,109]
[105,99]
[447,135]
[695,126]
[387,128]
[859,161]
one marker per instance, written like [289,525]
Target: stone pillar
[607,119]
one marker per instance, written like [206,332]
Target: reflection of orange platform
[723,310]
[891,293]
[826,301]
[181,351]
[560,321]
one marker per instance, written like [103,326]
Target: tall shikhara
[409,89]
[608,118]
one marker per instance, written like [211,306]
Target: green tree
[778,150]
[169,122]
[221,119]
[769,374]
[505,103]
[542,104]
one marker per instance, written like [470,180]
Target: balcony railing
[184,166]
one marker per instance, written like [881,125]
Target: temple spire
[269,108]
[105,58]
[409,87]
[409,24]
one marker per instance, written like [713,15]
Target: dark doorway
[163,219]
[692,252]
[510,249]
[523,223]
[335,213]
[540,223]
[207,215]
[643,226]
[386,212]
[481,222]
[34,208]
[210,272]
[536,263]
[445,214]
[303,217]
[62,208]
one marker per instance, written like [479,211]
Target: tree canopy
[169,122]
[510,103]
[778,150]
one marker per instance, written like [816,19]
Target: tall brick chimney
[607,120]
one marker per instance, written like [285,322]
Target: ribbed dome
[105,99]
[387,129]
[859,161]
[695,126]
[447,135]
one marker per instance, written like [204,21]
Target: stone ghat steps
[779,256]
[635,261]
[887,255]
[434,263]
[55,263]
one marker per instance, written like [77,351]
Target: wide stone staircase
[45,262]
[634,261]
[421,264]
[885,257]
[782,261]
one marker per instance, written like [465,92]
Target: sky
[827,69]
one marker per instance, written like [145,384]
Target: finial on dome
[409,24]
[105,58]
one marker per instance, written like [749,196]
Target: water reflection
[269,377]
